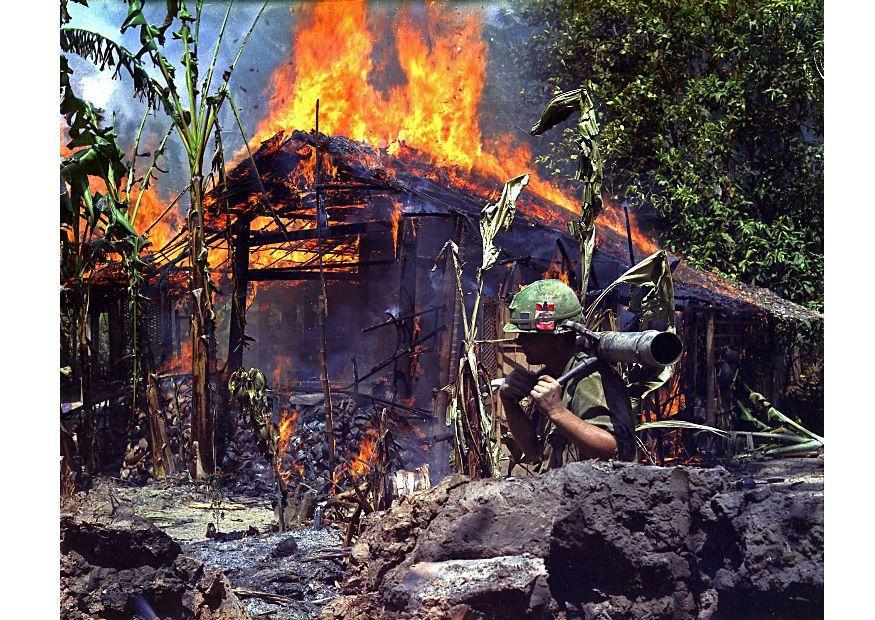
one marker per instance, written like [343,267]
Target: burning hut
[393,325]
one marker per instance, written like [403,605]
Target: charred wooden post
[710,413]
[116,330]
[568,265]
[405,368]
[629,236]
[93,339]
[691,324]
[166,308]
[240,276]
[162,456]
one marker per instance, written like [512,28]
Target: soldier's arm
[591,440]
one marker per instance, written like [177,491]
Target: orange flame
[364,460]
[555,272]
[282,366]
[160,232]
[287,428]
[180,361]
[443,58]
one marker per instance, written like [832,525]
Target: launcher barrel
[650,347]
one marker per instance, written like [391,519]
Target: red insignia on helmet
[543,312]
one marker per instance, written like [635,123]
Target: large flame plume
[442,55]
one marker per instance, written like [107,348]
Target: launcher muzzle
[650,347]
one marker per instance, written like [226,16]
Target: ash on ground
[259,564]
[299,577]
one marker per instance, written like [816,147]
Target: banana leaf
[758,400]
[499,216]
[589,169]
[805,447]
[680,424]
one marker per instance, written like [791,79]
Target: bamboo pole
[323,311]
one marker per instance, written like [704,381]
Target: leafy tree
[712,123]
[192,106]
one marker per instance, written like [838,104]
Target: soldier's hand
[517,385]
[547,396]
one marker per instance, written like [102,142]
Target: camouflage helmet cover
[543,306]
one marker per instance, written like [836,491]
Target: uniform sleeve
[589,402]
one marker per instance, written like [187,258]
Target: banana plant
[192,105]
[96,222]
[476,433]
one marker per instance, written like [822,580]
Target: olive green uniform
[600,398]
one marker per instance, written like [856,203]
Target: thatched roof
[283,184]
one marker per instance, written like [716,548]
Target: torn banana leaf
[758,400]
[499,216]
[589,169]
[652,290]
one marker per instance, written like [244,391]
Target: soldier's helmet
[542,307]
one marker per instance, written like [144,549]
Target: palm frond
[105,52]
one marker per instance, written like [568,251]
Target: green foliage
[194,112]
[96,223]
[249,388]
[712,115]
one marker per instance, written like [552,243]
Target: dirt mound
[594,540]
[120,568]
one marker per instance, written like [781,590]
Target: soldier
[591,417]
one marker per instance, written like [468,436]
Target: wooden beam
[240,275]
[279,275]
[259,238]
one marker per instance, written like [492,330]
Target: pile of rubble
[245,471]
[125,567]
[596,540]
